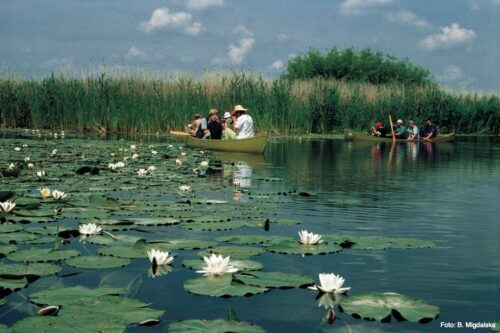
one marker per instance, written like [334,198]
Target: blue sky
[458,40]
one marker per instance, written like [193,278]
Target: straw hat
[239,108]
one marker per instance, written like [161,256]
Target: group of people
[410,133]
[235,125]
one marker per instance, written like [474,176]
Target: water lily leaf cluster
[213,326]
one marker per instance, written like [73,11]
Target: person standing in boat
[412,131]
[243,123]
[400,130]
[430,130]
[378,130]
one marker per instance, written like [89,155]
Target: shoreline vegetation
[282,106]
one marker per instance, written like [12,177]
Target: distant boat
[351,135]
[255,145]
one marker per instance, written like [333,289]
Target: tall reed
[152,104]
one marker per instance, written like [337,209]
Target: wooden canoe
[254,145]
[351,135]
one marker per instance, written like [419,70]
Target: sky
[457,40]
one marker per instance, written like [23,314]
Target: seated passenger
[227,132]
[412,130]
[215,127]
[193,127]
[430,130]
[243,123]
[400,130]
[203,131]
[378,129]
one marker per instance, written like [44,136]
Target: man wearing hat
[400,130]
[379,129]
[413,134]
[243,123]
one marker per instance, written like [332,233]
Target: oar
[392,129]
[179,133]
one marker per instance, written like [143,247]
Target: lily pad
[292,246]
[13,284]
[4,228]
[242,265]
[213,326]
[42,255]
[65,296]
[4,249]
[34,269]
[99,262]
[377,243]
[379,306]
[274,279]
[123,251]
[221,286]
[250,239]
[235,252]
[187,243]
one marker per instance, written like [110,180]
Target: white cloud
[203,4]
[163,18]
[359,7]
[409,18]
[237,53]
[278,64]
[135,53]
[449,36]
[451,73]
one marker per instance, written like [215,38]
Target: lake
[441,199]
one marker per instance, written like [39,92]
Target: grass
[142,103]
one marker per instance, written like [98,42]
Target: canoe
[351,135]
[254,145]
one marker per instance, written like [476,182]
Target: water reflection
[242,175]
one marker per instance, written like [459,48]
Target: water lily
[155,271]
[217,265]
[120,164]
[133,147]
[89,229]
[58,195]
[25,146]
[17,149]
[178,162]
[54,152]
[26,159]
[142,172]
[331,283]
[7,206]
[159,258]
[45,192]
[151,168]
[154,152]
[30,166]
[308,238]
[12,166]
[112,166]
[185,188]
[204,163]
[40,174]
[135,156]
[183,154]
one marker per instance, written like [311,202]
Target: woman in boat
[243,123]
[210,127]
[227,132]
[193,127]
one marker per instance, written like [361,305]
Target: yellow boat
[351,135]
[255,145]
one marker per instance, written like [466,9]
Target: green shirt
[228,134]
[402,131]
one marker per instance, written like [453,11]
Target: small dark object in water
[266,225]
[87,170]
[304,194]
[347,244]
[6,195]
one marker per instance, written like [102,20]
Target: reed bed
[280,106]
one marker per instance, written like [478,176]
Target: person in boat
[193,127]
[378,130]
[412,131]
[227,132]
[430,130]
[228,119]
[400,130]
[243,123]
[210,127]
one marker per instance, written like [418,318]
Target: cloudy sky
[458,40]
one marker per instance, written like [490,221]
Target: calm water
[447,193]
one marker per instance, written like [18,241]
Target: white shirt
[244,127]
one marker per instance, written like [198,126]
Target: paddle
[392,129]
[179,133]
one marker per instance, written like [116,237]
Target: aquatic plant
[331,283]
[217,265]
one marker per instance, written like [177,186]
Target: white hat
[227,115]
[399,121]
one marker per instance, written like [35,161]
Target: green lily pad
[221,286]
[377,243]
[4,248]
[42,255]
[235,252]
[99,262]
[497,327]
[117,240]
[123,251]
[13,284]
[346,202]
[17,237]
[65,296]
[4,329]
[242,265]
[213,326]
[379,306]
[34,269]
[251,239]
[144,221]
[5,228]
[274,279]
[187,243]
[215,226]
[292,246]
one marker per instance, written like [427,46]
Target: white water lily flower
[40,174]
[112,154]
[112,166]
[151,168]
[133,147]
[12,166]
[7,206]
[126,158]
[89,229]
[45,192]
[204,163]
[58,195]
[25,146]
[154,152]
[17,149]
[26,159]
[31,166]
[151,146]
[170,146]
[178,162]
[55,135]
[217,265]
[120,164]
[161,257]
[54,152]
[181,148]
[183,154]
[185,188]
[331,283]
[135,156]
[202,152]
[308,238]
[142,172]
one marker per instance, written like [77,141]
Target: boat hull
[255,145]
[351,135]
